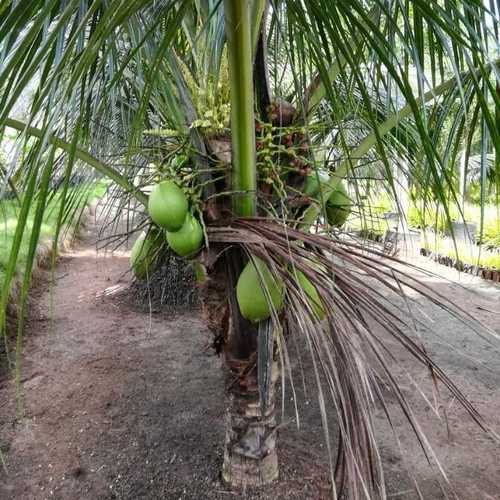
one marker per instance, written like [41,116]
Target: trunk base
[240,472]
[250,458]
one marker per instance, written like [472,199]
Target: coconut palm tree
[262,118]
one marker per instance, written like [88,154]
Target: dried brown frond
[360,289]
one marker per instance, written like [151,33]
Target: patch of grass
[9,210]
[467,253]
[370,217]
[370,223]
[431,217]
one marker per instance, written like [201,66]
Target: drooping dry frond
[350,349]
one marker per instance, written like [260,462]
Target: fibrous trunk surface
[250,457]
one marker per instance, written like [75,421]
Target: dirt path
[121,404]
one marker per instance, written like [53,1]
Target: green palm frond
[140,91]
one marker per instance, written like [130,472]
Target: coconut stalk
[239,49]
[250,453]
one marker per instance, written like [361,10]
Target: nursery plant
[238,133]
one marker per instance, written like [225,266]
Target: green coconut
[314,181]
[188,240]
[168,205]
[144,253]
[338,206]
[254,281]
[312,294]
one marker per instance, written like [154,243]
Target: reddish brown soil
[122,404]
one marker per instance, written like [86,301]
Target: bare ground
[121,404]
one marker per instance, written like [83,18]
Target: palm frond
[353,360]
[373,88]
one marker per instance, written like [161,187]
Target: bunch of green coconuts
[259,291]
[337,206]
[168,208]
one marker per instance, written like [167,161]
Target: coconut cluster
[338,205]
[168,208]
[260,292]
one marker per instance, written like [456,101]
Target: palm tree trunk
[250,446]
[250,457]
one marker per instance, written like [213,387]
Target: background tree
[261,117]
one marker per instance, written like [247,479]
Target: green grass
[436,219]
[470,254]
[370,218]
[9,210]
